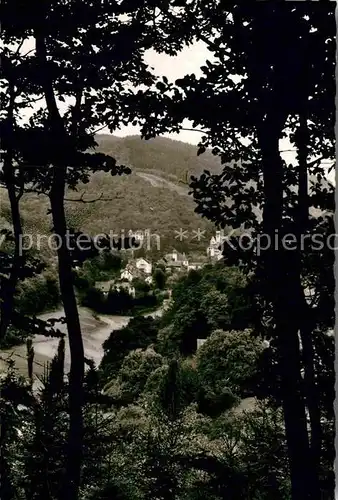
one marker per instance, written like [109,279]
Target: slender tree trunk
[311,391]
[303,200]
[76,397]
[306,319]
[281,268]
[278,279]
[75,339]
[9,287]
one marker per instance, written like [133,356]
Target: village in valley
[173,264]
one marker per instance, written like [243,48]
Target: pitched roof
[142,258]
[180,256]
[134,271]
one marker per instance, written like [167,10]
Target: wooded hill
[154,196]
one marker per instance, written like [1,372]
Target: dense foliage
[215,297]
[119,301]
[38,294]
[230,393]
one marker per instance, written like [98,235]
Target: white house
[172,256]
[141,268]
[214,249]
[127,287]
[144,265]
[214,253]
[185,261]
[126,274]
[149,280]
[195,266]
[106,286]
[175,256]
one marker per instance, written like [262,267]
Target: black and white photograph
[167,250]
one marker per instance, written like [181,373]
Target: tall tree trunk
[9,286]
[277,280]
[76,391]
[75,439]
[311,392]
[306,316]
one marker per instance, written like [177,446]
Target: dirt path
[158,181]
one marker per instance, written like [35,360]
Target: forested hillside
[154,196]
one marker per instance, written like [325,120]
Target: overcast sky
[187,61]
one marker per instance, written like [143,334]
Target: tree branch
[81,199]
